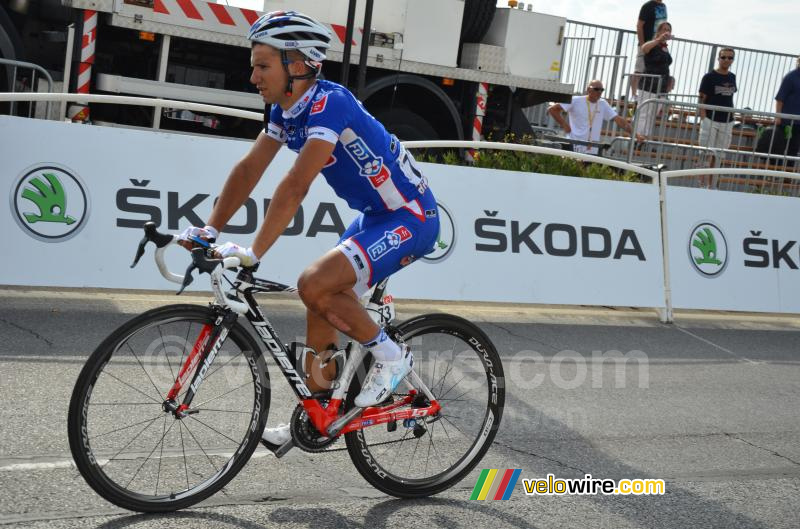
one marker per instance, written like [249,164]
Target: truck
[443,69]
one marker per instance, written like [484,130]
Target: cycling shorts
[378,245]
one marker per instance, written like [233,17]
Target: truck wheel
[478,16]
[406,125]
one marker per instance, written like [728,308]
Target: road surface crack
[773,452]
[29,331]
[532,454]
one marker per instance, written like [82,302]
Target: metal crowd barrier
[27,82]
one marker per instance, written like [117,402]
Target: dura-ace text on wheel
[136,451]
[424,456]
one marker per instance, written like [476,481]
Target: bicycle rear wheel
[460,366]
[137,455]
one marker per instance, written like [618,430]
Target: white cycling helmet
[290,30]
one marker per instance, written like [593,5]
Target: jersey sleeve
[274,126]
[608,112]
[328,116]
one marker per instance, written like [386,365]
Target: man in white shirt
[586,116]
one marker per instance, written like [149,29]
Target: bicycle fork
[205,350]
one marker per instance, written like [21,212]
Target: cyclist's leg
[326,288]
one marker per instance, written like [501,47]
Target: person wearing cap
[333,135]
[586,114]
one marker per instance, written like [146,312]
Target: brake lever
[140,251]
[151,234]
[187,278]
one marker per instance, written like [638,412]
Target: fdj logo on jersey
[50,203]
[370,166]
[391,240]
[708,250]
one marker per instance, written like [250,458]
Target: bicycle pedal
[391,426]
[278,450]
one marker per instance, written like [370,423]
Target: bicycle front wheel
[141,457]
[459,364]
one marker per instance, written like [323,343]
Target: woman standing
[656,61]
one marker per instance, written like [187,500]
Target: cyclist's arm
[291,191]
[243,178]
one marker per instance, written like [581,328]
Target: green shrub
[530,163]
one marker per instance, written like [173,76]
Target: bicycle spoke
[145,371]
[228,361]
[183,449]
[454,385]
[212,399]
[94,437]
[164,348]
[123,403]
[456,427]
[212,429]
[112,375]
[223,411]
[405,435]
[129,442]
[160,441]
[445,431]
[458,399]
[161,454]
[210,461]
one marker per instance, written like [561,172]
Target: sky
[769,25]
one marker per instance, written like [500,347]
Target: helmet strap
[285,61]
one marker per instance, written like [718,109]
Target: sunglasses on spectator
[726,57]
[597,89]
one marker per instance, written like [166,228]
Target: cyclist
[366,166]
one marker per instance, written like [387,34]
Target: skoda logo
[708,249]
[446,239]
[50,203]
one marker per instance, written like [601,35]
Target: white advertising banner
[733,251]
[78,196]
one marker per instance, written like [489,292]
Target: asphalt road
[709,404]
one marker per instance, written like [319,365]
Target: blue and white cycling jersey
[369,168]
[372,172]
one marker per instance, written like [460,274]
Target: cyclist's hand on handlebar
[245,255]
[194,237]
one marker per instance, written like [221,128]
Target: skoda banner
[733,251]
[79,195]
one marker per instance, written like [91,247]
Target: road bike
[172,404]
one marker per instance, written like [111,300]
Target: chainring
[305,435]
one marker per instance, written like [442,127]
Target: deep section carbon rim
[461,368]
[141,457]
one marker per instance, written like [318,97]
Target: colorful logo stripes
[494,484]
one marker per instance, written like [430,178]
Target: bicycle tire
[217,438]
[422,334]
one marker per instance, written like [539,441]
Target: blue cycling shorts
[378,245]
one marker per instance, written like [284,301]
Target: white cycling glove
[192,233]
[245,255]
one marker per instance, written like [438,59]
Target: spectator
[586,115]
[651,15]
[787,101]
[657,61]
[717,88]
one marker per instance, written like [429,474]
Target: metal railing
[758,72]
[659,176]
[751,142]
[28,84]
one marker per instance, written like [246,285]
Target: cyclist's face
[268,73]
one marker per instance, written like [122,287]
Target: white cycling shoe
[383,378]
[276,437]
